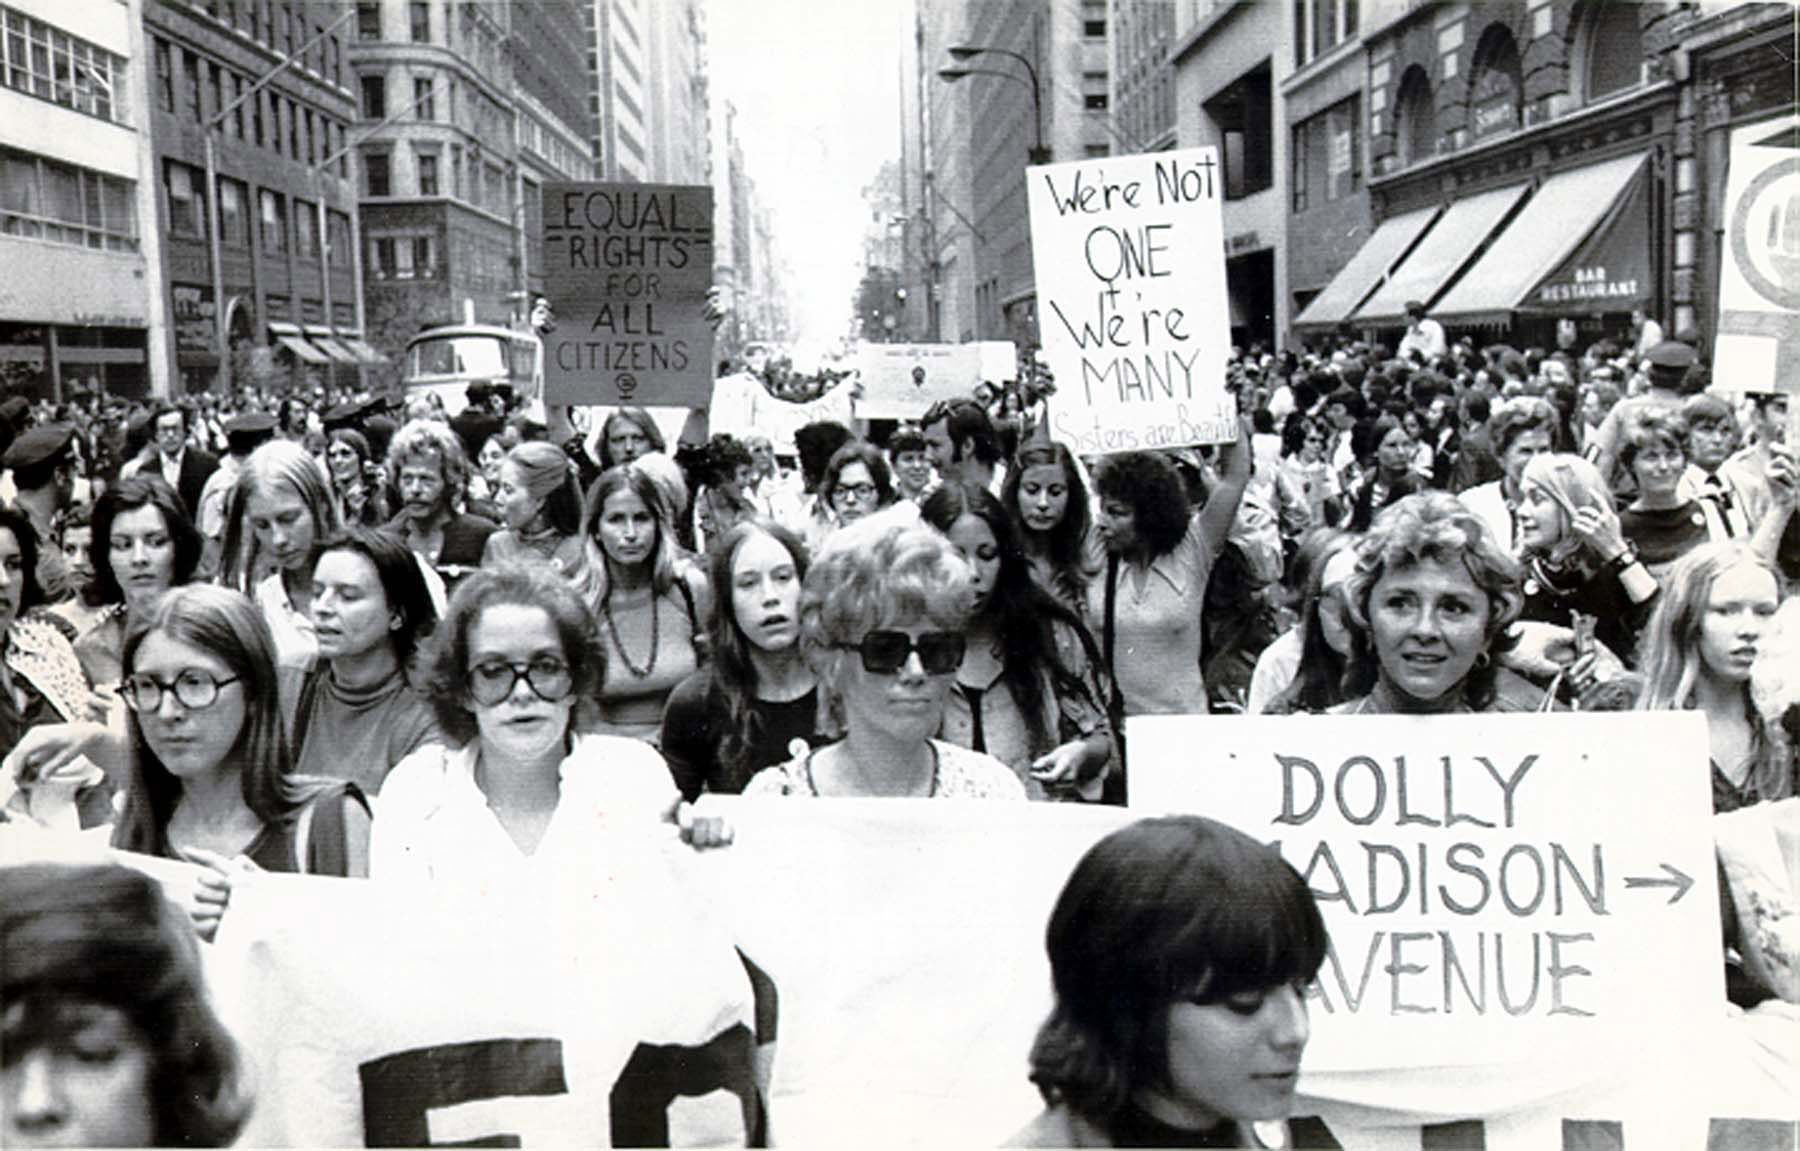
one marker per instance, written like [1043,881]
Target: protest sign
[627,268]
[1759,274]
[999,360]
[1499,890]
[1130,259]
[901,380]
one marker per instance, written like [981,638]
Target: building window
[337,234]
[1093,28]
[165,75]
[424,102]
[284,38]
[305,230]
[1320,26]
[333,61]
[419,19]
[190,66]
[1242,115]
[368,20]
[428,175]
[1327,155]
[1094,151]
[187,204]
[381,258]
[1415,119]
[256,119]
[236,88]
[41,61]
[1609,51]
[377,175]
[374,97]
[63,204]
[274,223]
[422,262]
[1094,101]
[233,227]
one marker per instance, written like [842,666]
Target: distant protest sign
[627,268]
[901,380]
[1499,890]
[1130,259]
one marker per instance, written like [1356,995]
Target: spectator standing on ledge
[1423,335]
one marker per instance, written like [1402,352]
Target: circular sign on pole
[1764,234]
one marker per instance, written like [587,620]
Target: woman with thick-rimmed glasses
[210,778]
[882,620]
[857,482]
[521,790]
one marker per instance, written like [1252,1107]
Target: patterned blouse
[961,774]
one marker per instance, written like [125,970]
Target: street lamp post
[212,186]
[961,52]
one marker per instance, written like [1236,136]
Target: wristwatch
[1622,562]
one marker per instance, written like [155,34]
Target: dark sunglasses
[884,652]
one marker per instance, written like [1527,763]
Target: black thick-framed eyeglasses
[193,690]
[493,680]
[884,651]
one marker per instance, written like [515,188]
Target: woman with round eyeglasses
[521,789]
[210,777]
[653,603]
[882,618]
[857,482]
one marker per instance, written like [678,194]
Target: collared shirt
[296,643]
[1426,337]
[1156,627]
[171,467]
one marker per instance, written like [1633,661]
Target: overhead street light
[1038,154]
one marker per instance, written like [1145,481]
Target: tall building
[248,250]
[1229,68]
[1143,81]
[78,235]
[464,111]
[1004,119]
[647,89]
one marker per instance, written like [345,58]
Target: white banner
[1132,303]
[900,381]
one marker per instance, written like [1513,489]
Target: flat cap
[343,415]
[40,445]
[250,424]
[1671,356]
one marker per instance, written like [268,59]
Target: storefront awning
[1579,245]
[362,351]
[1371,264]
[322,338]
[1444,251]
[289,337]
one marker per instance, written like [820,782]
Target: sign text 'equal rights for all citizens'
[627,268]
[1494,886]
[1130,260]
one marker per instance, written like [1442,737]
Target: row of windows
[418,21]
[198,89]
[282,27]
[43,61]
[46,200]
[402,257]
[484,185]
[185,191]
[1320,26]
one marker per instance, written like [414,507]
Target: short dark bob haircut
[869,456]
[522,586]
[102,933]
[1152,488]
[1162,911]
[140,491]
[402,583]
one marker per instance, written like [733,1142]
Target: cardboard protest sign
[1499,890]
[626,269]
[901,380]
[1759,274]
[1130,259]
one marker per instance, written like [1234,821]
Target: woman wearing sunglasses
[210,778]
[882,617]
[519,790]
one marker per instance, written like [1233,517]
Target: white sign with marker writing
[1132,308]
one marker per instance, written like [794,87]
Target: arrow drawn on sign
[1678,879]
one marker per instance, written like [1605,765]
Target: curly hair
[516,585]
[105,934]
[430,442]
[1024,613]
[140,491]
[1516,417]
[878,571]
[1152,488]
[1162,911]
[1432,527]
[1654,425]
[1067,542]
[734,675]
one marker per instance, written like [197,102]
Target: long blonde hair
[1669,651]
[276,463]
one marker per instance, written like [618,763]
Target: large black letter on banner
[400,1090]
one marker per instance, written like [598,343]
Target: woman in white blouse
[521,788]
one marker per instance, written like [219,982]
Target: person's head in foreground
[106,1035]
[1180,951]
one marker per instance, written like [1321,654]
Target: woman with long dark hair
[757,695]
[144,544]
[1303,670]
[1028,690]
[1048,499]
